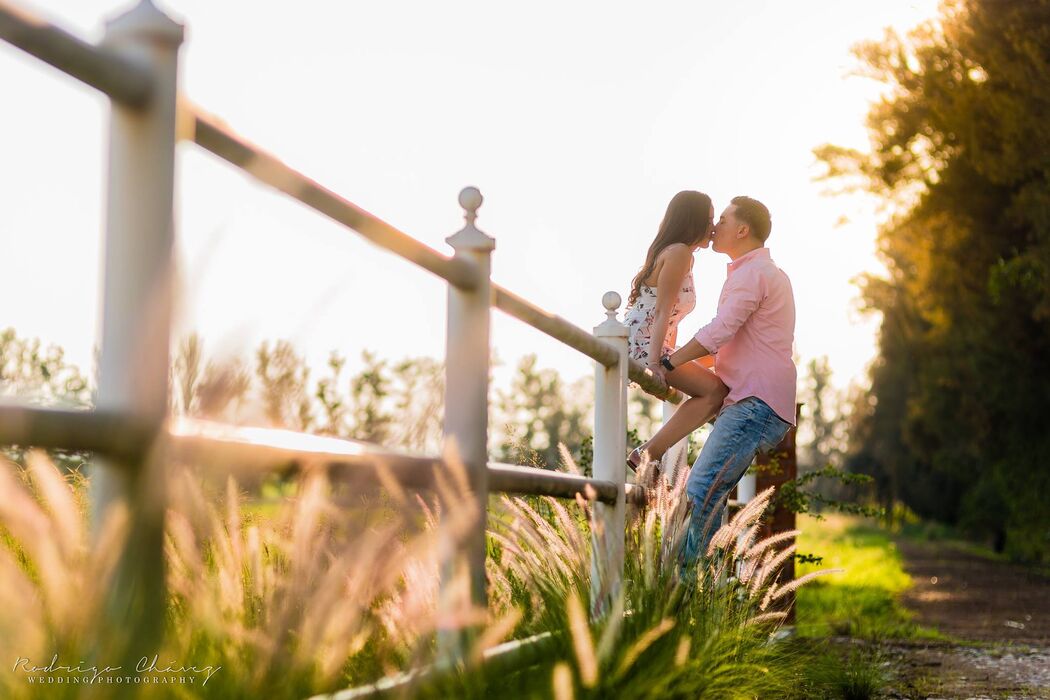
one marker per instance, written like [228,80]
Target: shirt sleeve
[740,302]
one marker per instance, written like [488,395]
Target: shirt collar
[756,254]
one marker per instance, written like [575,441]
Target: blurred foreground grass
[296,590]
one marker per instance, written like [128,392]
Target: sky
[577,121]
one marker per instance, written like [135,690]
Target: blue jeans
[741,431]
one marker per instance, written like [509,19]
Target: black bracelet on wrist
[666,362]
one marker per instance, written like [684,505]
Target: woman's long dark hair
[686,221]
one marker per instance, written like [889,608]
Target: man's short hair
[755,214]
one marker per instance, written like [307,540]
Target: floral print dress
[639,319]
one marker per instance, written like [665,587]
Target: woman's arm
[668,284]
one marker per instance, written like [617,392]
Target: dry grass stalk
[771,567]
[767,617]
[643,643]
[790,586]
[52,580]
[759,547]
[586,658]
[562,682]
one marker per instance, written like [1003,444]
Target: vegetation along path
[997,615]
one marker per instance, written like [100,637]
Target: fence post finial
[470,199]
[611,302]
[144,20]
[469,238]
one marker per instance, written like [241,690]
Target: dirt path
[1001,614]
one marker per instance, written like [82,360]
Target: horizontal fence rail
[211,134]
[509,478]
[554,326]
[575,337]
[106,432]
[247,449]
[118,77]
[650,384]
[509,656]
[251,451]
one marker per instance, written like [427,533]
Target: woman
[661,294]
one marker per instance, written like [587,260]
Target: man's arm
[740,302]
[690,351]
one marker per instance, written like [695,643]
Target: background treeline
[957,422]
[392,403]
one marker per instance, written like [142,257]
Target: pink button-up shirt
[752,334]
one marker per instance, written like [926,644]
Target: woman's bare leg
[707,393]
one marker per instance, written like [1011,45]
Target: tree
[399,405]
[283,377]
[369,390]
[822,417]
[538,412]
[216,392]
[40,375]
[332,404]
[961,156]
[186,372]
[419,404]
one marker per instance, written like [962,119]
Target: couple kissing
[737,369]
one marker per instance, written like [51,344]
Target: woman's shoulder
[678,253]
[676,250]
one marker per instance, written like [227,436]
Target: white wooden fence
[136,64]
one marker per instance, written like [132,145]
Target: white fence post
[745,488]
[136,313]
[745,491]
[678,452]
[467,379]
[610,451]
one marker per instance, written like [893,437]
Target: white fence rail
[136,65]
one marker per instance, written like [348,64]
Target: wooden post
[136,319]
[610,451]
[774,469]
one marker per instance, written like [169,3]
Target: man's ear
[743,231]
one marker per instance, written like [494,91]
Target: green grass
[836,671]
[862,601]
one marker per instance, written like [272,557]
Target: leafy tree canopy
[960,151]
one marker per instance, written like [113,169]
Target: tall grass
[52,582]
[313,595]
[706,635]
[310,597]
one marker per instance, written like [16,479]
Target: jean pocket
[775,431]
[750,407]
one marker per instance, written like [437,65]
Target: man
[751,338]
